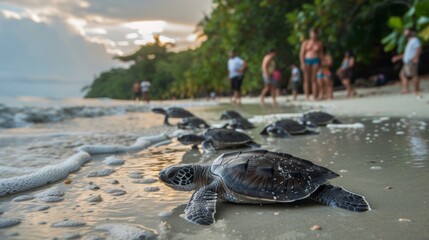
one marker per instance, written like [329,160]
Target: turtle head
[180,177]
[159,110]
[189,139]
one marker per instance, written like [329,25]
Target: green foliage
[251,27]
[416,16]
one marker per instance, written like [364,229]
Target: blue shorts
[268,81]
[312,61]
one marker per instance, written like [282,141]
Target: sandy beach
[114,192]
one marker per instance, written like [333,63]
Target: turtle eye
[171,174]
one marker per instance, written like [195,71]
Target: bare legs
[351,92]
[236,97]
[310,77]
[329,88]
[268,88]
[416,83]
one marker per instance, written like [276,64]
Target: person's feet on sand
[261,101]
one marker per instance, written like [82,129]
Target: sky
[53,48]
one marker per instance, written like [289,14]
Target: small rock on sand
[69,236]
[145,181]
[126,231]
[151,189]
[5,223]
[50,192]
[43,208]
[92,186]
[316,227]
[135,175]
[112,160]
[165,214]
[95,199]
[68,223]
[115,192]
[101,173]
[388,187]
[67,181]
[114,181]
[42,222]
[51,199]
[23,198]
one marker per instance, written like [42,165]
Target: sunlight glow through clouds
[106,30]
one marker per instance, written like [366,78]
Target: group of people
[141,91]
[315,64]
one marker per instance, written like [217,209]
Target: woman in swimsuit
[310,55]
[345,73]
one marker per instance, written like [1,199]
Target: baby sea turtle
[193,123]
[319,119]
[230,114]
[240,123]
[257,177]
[219,138]
[285,128]
[172,112]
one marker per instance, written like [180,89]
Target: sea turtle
[319,118]
[172,112]
[256,177]
[230,114]
[193,123]
[285,128]
[240,123]
[219,138]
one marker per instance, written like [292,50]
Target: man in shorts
[268,66]
[236,67]
[410,58]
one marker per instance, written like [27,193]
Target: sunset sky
[73,40]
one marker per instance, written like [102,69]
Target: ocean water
[386,161]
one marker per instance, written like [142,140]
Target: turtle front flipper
[166,120]
[208,146]
[253,144]
[264,131]
[202,206]
[339,197]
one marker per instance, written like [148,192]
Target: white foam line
[43,176]
[140,144]
[271,117]
[353,125]
[54,173]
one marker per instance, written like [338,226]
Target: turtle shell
[261,175]
[291,126]
[230,114]
[318,118]
[241,123]
[174,112]
[226,137]
[193,122]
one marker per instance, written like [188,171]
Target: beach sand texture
[117,195]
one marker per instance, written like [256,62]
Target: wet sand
[386,161]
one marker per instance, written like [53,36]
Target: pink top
[277,75]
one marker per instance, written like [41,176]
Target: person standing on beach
[295,78]
[324,78]
[345,73]
[145,86]
[277,76]
[137,91]
[236,67]
[410,58]
[310,57]
[268,67]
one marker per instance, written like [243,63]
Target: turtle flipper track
[339,197]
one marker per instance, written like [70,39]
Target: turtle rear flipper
[202,206]
[336,121]
[264,131]
[166,121]
[208,146]
[253,144]
[339,197]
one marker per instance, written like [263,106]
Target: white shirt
[234,65]
[295,74]
[411,49]
[145,86]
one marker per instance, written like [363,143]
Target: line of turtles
[256,176]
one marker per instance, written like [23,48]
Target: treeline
[371,28]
